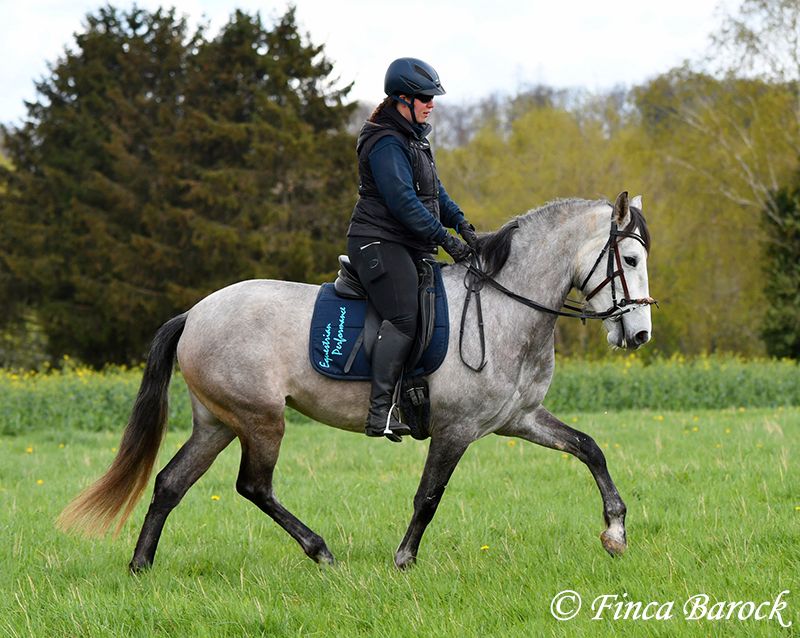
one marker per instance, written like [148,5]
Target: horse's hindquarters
[245,349]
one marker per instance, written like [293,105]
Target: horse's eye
[631,261]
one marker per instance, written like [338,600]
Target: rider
[399,218]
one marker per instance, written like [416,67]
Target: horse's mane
[495,247]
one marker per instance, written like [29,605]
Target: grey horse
[243,352]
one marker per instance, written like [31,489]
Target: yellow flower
[617,445]
[695,419]
[61,446]
[574,419]
[113,449]
[727,430]
[214,497]
[797,508]
[564,455]
[29,450]
[512,443]
[695,429]
[39,482]
[484,548]
[660,417]
[742,409]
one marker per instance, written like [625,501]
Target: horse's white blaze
[634,328]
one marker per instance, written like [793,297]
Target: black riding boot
[388,356]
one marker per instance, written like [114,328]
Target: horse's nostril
[642,337]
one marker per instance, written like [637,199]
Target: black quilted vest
[371,216]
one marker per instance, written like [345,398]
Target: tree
[83,178]
[743,101]
[157,165]
[267,166]
[781,329]
[728,132]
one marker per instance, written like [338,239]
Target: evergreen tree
[84,181]
[266,169]
[156,166]
[781,330]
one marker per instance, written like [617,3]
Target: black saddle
[348,285]
[413,398]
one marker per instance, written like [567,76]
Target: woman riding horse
[399,219]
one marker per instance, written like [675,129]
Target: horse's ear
[636,202]
[622,212]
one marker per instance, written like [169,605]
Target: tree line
[157,165]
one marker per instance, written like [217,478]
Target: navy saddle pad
[337,323]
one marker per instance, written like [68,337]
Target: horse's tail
[119,489]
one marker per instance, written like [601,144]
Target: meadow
[712,495]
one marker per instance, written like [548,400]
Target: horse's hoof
[404,560]
[324,557]
[137,567]
[614,546]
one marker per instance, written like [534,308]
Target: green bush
[77,397]
[673,384]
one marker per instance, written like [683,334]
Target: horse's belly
[341,404]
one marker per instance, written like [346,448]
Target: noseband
[475,278]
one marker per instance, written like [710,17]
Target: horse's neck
[543,258]
[541,266]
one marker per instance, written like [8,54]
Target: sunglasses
[424,98]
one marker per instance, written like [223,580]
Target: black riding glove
[456,248]
[467,231]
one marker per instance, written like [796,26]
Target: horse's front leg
[444,454]
[539,426]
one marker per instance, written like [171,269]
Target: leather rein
[475,279]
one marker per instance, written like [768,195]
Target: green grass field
[713,507]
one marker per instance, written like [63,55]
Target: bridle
[475,278]
[611,248]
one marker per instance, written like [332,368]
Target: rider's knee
[405,323]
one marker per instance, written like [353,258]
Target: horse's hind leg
[539,426]
[209,437]
[261,442]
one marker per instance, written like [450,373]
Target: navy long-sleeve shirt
[391,169]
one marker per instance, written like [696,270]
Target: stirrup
[393,435]
[387,430]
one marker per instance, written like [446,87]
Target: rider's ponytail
[379,109]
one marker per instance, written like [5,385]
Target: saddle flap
[427,312]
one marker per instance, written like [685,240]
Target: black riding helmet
[410,76]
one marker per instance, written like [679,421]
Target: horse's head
[615,282]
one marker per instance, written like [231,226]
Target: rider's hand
[467,231]
[456,248]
